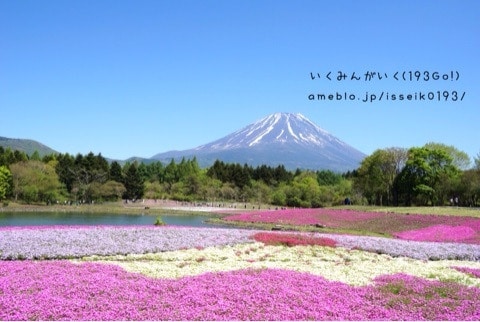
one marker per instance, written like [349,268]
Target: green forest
[432,175]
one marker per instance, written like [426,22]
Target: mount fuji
[280,138]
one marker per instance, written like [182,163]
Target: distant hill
[135,159]
[25,145]
[278,139]
[284,139]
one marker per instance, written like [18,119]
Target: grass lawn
[450,211]
[117,207]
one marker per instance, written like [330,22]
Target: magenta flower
[60,290]
[327,217]
[439,233]
[292,239]
[467,270]
[405,226]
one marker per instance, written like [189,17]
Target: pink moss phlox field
[291,239]
[428,300]
[309,216]
[77,242]
[439,233]
[379,222]
[60,290]
[471,271]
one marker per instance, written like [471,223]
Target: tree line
[434,174]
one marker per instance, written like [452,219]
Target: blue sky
[135,78]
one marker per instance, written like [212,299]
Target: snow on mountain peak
[281,138]
[277,128]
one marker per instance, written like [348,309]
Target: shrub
[159,221]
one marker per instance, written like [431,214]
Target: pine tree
[133,183]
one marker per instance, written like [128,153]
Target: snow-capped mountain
[280,138]
[282,128]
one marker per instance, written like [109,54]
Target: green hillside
[27,146]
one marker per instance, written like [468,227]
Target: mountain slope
[25,145]
[280,138]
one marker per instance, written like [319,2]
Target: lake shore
[144,206]
[159,207]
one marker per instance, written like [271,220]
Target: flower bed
[74,242]
[59,290]
[328,217]
[353,267]
[405,226]
[475,272]
[406,248]
[178,273]
[439,233]
[292,239]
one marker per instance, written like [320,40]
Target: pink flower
[60,290]
[438,233]
[291,239]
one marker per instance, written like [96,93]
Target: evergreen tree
[134,183]
[115,172]
[35,156]
[328,178]
[477,162]
[171,173]
[156,171]
[65,170]
[143,171]
[5,179]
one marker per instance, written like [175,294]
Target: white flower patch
[354,267]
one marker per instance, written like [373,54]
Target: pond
[73,218]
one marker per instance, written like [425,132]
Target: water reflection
[50,219]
